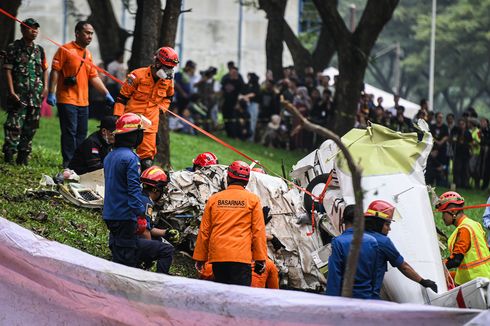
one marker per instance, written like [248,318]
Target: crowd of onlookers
[251,111]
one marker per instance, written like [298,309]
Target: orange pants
[148,147]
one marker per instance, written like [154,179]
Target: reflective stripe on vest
[476,262]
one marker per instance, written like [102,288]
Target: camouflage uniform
[27,64]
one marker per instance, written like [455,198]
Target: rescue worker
[68,88]
[379,217]
[27,75]
[468,250]
[90,155]
[124,200]
[232,231]
[148,91]
[204,159]
[366,270]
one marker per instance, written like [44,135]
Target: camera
[210,72]
[70,81]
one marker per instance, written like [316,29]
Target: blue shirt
[387,252]
[123,198]
[366,266]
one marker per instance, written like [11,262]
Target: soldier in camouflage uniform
[26,71]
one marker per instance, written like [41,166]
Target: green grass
[55,219]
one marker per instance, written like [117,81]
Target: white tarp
[47,283]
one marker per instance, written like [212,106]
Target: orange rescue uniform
[143,95]
[232,228]
[268,279]
[67,61]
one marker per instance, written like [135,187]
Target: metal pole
[397,74]
[240,20]
[181,32]
[432,55]
[352,9]
[65,19]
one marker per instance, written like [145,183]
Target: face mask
[164,73]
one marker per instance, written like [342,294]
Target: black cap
[108,122]
[190,64]
[31,22]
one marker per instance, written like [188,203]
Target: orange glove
[141,225]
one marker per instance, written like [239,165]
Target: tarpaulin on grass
[45,283]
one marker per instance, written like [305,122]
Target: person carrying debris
[89,156]
[468,250]
[232,231]
[124,200]
[366,269]
[379,216]
[147,91]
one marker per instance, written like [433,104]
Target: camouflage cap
[31,22]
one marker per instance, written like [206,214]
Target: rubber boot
[22,158]
[146,163]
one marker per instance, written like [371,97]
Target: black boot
[8,157]
[146,163]
[22,158]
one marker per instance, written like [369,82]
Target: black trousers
[129,250]
[233,273]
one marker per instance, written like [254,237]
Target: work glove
[172,235]
[426,283]
[199,266]
[141,225]
[259,267]
[276,243]
[51,100]
[108,98]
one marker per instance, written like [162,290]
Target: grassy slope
[57,220]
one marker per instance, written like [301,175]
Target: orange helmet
[154,176]
[167,56]
[381,209]
[239,170]
[259,170]
[129,122]
[449,197]
[205,159]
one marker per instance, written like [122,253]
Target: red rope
[320,200]
[463,208]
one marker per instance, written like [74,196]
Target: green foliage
[55,219]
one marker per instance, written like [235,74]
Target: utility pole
[396,69]
[352,9]
[432,55]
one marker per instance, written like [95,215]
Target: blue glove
[109,99]
[51,100]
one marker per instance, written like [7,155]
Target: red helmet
[154,176]
[449,197]
[259,170]
[205,159]
[129,122]
[167,56]
[239,170]
[381,209]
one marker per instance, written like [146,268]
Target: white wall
[208,35]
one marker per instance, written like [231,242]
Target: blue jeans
[74,126]
[253,110]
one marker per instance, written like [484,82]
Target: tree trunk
[7,26]
[111,37]
[147,27]
[273,44]
[353,51]
[168,32]
[301,56]
[324,50]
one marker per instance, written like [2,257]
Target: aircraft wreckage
[393,169]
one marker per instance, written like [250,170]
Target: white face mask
[164,73]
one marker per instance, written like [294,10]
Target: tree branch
[351,265]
